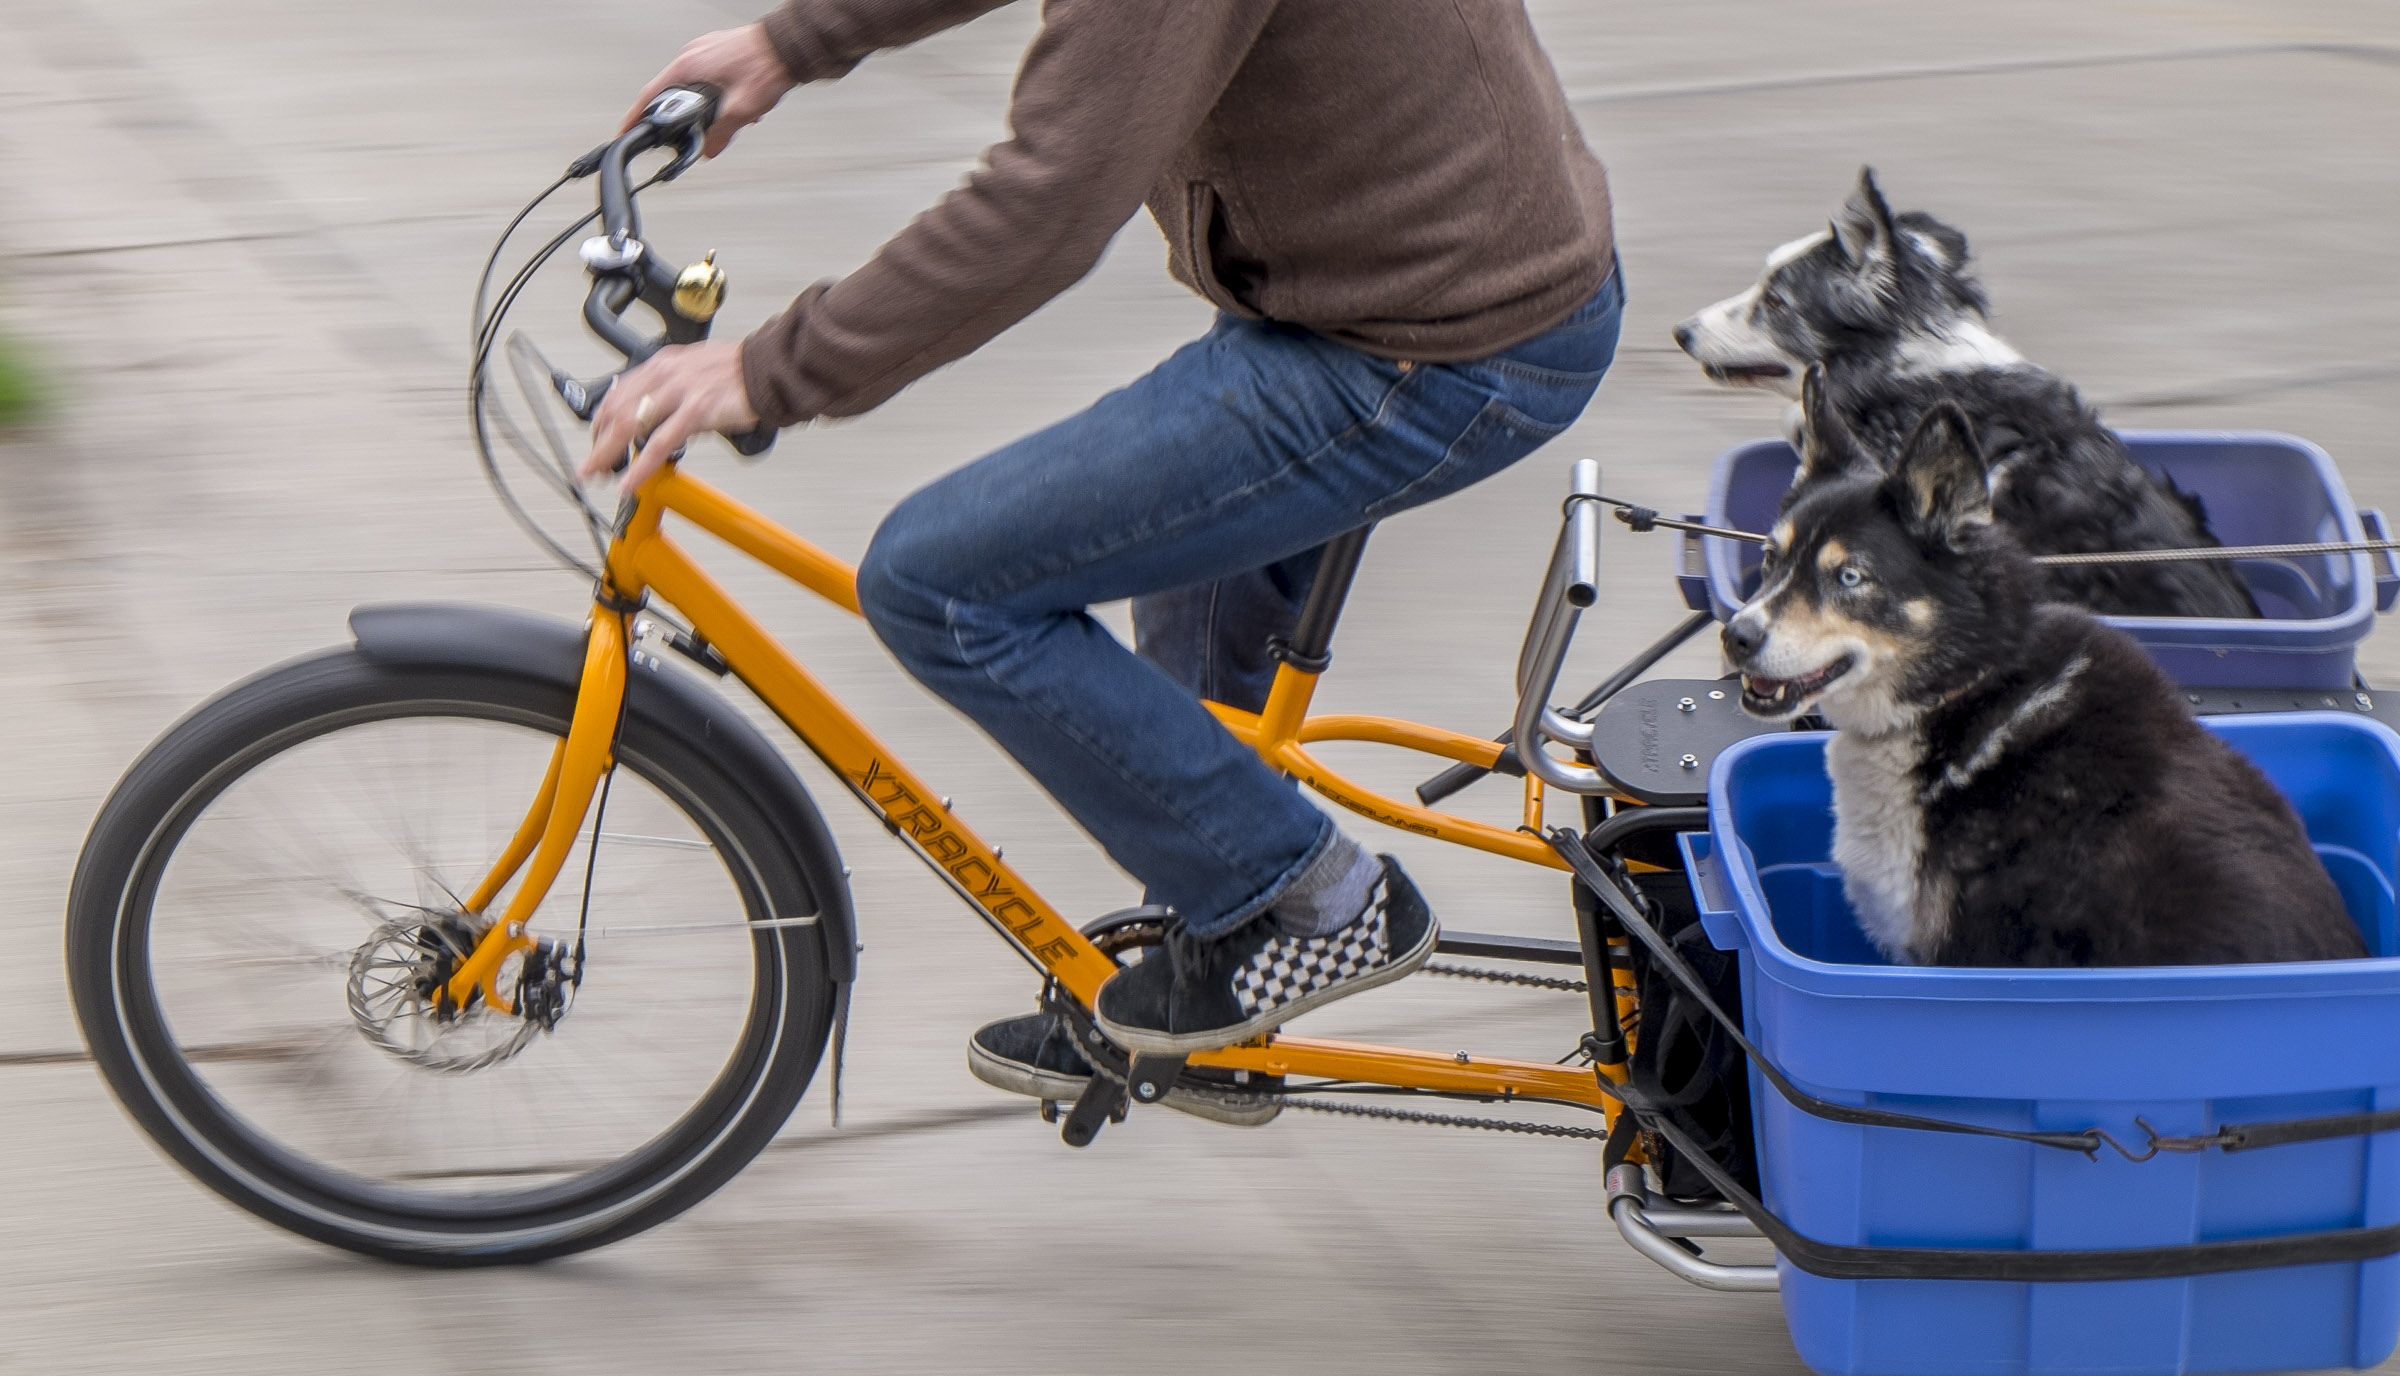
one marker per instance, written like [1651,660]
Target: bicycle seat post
[1310,649]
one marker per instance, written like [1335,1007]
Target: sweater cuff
[796,47]
[770,372]
[758,381]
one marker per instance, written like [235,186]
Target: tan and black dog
[2015,783]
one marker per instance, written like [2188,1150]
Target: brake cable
[558,473]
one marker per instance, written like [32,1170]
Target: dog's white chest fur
[1879,840]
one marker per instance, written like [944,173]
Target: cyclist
[1409,247]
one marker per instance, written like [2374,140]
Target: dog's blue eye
[1851,577]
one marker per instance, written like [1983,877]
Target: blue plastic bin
[2259,488]
[2185,1048]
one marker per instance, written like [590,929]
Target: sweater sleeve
[1109,91]
[819,40]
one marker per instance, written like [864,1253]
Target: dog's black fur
[2059,480]
[2062,806]
[1887,306]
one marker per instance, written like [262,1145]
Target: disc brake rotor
[396,981]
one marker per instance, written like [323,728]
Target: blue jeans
[1204,490]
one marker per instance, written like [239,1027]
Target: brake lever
[582,398]
[687,156]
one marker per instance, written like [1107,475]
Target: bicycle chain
[1443,1120]
[1564,986]
[1392,1115]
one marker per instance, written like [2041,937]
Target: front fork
[548,832]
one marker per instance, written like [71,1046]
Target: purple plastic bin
[2259,488]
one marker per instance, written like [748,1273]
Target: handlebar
[1583,535]
[1572,584]
[624,270]
[680,115]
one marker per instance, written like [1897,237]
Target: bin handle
[1710,893]
[1708,879]
[1691,567]
[2387,575]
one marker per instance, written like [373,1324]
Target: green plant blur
[20,389]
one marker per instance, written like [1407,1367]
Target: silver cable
[2114,556]
[2161,556]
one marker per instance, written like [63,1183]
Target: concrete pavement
[240,235]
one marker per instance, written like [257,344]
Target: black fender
[549,649]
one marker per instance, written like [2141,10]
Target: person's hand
[741,64]
[682,391]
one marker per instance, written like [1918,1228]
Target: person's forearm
[822,39]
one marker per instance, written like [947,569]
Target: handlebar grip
[753,443]
[683,109]
[1458,776]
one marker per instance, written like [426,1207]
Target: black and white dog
[1886,304]
[2015,783]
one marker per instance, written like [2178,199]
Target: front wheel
[268,897]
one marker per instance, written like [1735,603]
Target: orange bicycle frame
[644,560]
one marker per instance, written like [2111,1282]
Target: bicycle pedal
[1149,1078]
[1102,1101]
[1049,1110]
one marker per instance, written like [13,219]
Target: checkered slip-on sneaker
[1035,1055]
[1201,995]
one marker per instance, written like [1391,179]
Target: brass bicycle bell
[700,289]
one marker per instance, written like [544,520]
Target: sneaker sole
[1036,1083]
[1151,1042]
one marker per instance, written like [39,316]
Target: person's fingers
[645,463]
[660,445]
[598,461]
[624,415]
[737,111]
[608,438]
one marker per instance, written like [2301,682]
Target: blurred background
[237,242]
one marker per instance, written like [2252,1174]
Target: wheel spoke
[285,897]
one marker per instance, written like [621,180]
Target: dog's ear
[1864,228]
[1827,448]
[1940,477]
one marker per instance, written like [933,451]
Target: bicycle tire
[134,839]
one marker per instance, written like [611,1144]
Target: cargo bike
[491,937]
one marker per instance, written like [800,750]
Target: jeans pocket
[1499,435]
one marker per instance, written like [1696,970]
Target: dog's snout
[1683,336]
[1742,638]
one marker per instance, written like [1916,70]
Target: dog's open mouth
[1778,697]
[1746,372]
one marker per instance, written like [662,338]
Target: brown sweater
[1400,175]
